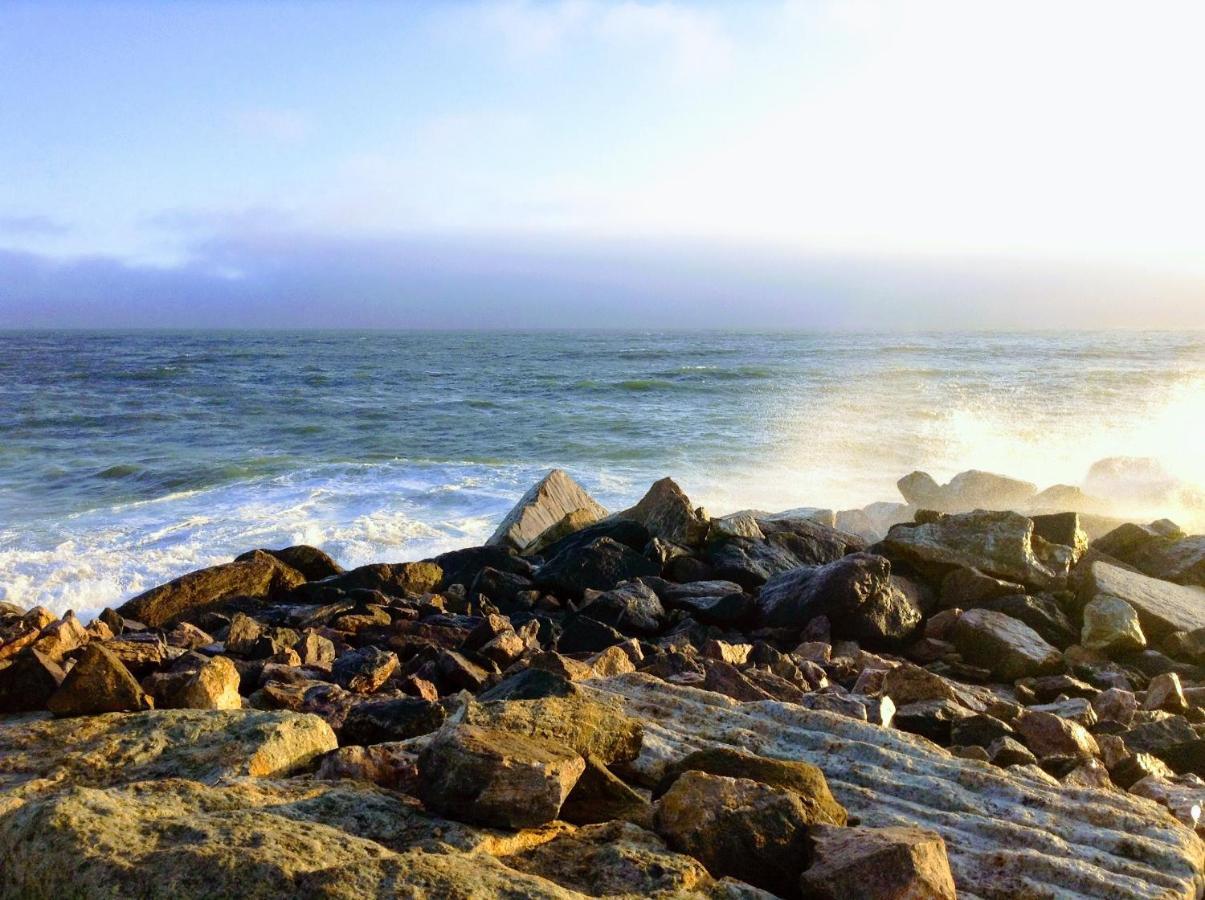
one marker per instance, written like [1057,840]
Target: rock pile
[649,703]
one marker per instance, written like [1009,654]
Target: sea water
[127,459]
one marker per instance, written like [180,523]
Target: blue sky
[811,161]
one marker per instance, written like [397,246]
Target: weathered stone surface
[1165,692]
[60,637]
[203,745]
[749,563]
[857,593]
[667,513]
[553,497]
[1062,528]
[600,565]
[632,607]
[214,685]
[878,864]
[1041,613]
[589,726]
[599,796]
[394,579]
[1041,839]
[1162,607]
[967,588]
[1111,625]
[311,562]
[98,683]
[363,671]
[1115,704]
[998,543]
[259,575]
[392,765]
[737,827]
[1182,795]
[497,778]
[1006,646]
[1181,561]
[380,721]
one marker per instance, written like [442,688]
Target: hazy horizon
[790,164]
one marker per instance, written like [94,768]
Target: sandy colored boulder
[495,777]
[1048,735]
[1111,625]
[587,726]
[213,686]
[897,863]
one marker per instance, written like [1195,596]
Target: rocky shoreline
[975,693]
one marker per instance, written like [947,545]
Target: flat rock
[1007,834]
[259,575]
[1162,607]
[553,497]
[1006,646]
[203,745]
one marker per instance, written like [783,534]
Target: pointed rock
[555,496]
[98,683]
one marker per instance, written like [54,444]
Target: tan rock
[61,637]
[213,686]
[393,765]
[1111,625]
[555,496]
[98,683]
[1048,735]
[1164,692]
[667,513]
[611,661]
[878,864]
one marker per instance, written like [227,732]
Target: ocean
[127,459]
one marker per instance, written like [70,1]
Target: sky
[807,163]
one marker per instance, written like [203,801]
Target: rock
[97,683]
[363,671]
[530,684]
[1062,528]
[740,524]
[1031,844]
[1073,709]
[1047,735]
[1131,480]
[311,562]
[496,778]
[463,566]
[1005,751]
[920,489]
[747,562]
[984,490]
[1162,607]
[1115,705]
[259,575]
[631,607]
[1010,648]
[553,497]
[1090,773]
[407,579]
[60,638]
[583,634]
[737,827]
[1181,561]
[966,588]
[1136,766]
[28,682]
[933,719]
[570,523]
[667,513]
[382,721]
[878,864]
[1041,613]
[599,796]
[202,745]
[588,727]
[315,651]
[857,593]
[1111,626]
[1182,795]
[998,543]
[390,765]
[612,661]
[1165,692]
[600,565]
[214,685]
[979,730]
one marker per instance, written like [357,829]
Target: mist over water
[128,459]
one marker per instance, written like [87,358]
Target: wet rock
[998,543]
[28,682]
[98,683]
[878,864]
[857,593]
[1111,625]
[382,721]
[364,670]
[393,579]
[1006,646]
[631,607]
[1162,607]
[600,565]
[259,575]
[496,778]
[667,513]
[737,827]
[461,567]
[312,563]
[553,497]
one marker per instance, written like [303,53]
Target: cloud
[32,226]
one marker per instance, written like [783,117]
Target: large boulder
[259,575]
[1181,561]
[632,607]
[496,778]
[1006,646]
[546,503]
[600,565]
[1111,626]
[591,727]
[396,579]
[998,543]
[878,864]
[737,827]
[1032,844]
[28,681]
[667,513]
[311,562]
[857,593]
[1162,607]
[966,491]
[98,683]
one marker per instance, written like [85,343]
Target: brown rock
[1047,735]
[1164,692]
[28,681]
[897,863]
[1006,646]
[98,683]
